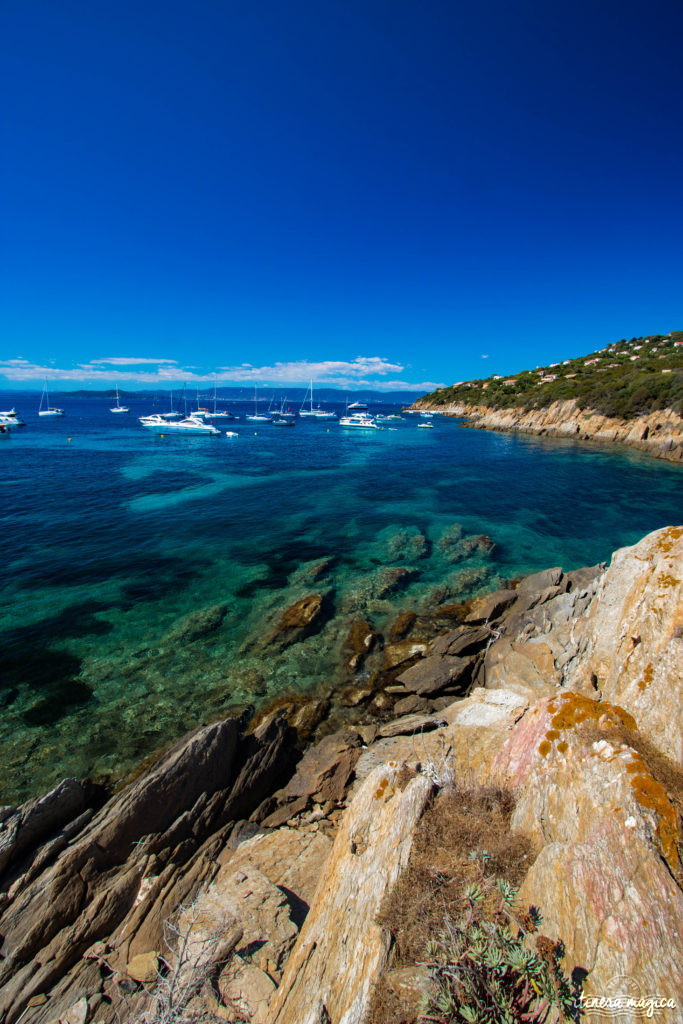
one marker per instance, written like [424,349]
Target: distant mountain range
[294,395]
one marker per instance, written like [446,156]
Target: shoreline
[659,434]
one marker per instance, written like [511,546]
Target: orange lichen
[651,794]
[562,747]
[669,538]
[648,675]
[552,734]
[667,580]
[545,748]
[382,786]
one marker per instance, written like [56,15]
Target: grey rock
[410,724]
[465,640]
[197,624]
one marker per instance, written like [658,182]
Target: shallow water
[112,534]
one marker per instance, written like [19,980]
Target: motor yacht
[189,425]
[11,418]
[359,420]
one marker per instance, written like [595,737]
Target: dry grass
[463,838]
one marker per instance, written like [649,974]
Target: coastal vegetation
[624,380]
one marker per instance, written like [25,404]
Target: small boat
[258,417]
[426,415]
[118,407]
[190,425]
[48,410]
[425,426]
[358,406]
[359,420]
[317,413]
[11,418]
[388,418]
[282,418]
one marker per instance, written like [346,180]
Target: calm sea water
[111,535]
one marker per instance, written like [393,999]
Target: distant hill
[624,380]
[245,394]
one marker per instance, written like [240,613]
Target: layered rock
[659,433]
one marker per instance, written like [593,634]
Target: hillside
[624,380]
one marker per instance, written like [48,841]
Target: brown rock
[361,640]
[143,967]
[383,702]
[404,650]
[325,769]
[352,696]
[433,674]
[299,621]
[413,705]
[412,987]
[465,640]
[490,606]
[410,724]
[402,626]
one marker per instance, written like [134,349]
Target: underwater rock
[449,538]
[396,654]
[401,626]
[311,572]
[301,713]
[299,621]
[197,624]
[406,544]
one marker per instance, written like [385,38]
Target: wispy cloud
[123,361]
[362,372]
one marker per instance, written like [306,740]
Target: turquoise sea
[111,535]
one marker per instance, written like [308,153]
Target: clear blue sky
[385,190]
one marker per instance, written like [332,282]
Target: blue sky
[371,193]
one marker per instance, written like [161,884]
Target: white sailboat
[218,414]
[258,417]
[48,410]
[317,413]
[118,407]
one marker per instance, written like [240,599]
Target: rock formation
[564,688]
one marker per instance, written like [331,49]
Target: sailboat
[317,413]
[258,417]
[218,414]
[118,407]
[47,411]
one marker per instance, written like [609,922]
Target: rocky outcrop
[633,658]
[564,688]
[660,433]
[197,625]
[120,873]
[341,950]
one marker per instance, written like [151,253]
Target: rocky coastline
[279,837]
[660,433]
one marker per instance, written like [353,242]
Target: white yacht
[48,410]
[118,407]
[390,417]
[190,425]
[360,420]
[425,426]
[11,418]
[358,406]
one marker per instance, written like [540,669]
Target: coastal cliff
[254,879]
[659,433]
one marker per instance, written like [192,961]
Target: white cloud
[123,361]
[362,372]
